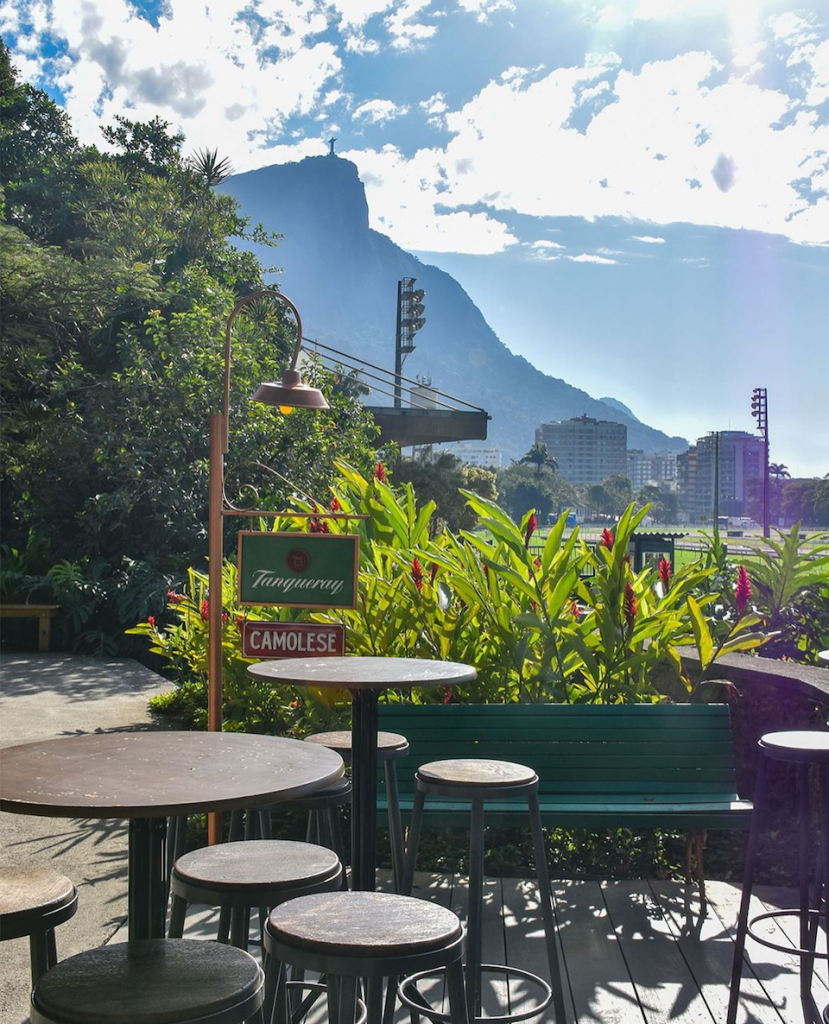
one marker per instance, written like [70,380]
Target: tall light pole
[760,411]
[409,321]
[289,393]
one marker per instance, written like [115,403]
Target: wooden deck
[633,952]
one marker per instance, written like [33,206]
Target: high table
[366,679]
[148,776]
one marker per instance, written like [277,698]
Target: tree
[113,357]
[539,457]
[441,480]
[520,489]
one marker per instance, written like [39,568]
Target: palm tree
[539,457]
[779,471]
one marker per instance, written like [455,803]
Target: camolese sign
[298,570]
[292,640]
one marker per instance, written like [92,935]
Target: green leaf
[702,635]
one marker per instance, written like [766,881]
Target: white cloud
[649,239]
[545,243]
[379,111]
[483,8]
[587,257]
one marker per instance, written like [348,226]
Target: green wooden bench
[599,766]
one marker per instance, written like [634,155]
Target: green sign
[298,570]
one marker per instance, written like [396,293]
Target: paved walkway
[49,695]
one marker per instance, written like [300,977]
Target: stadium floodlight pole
[760,411]
[409,320]
[289,393]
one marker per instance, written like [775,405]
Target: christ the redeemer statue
[331,146]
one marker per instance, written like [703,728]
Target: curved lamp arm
[264,293]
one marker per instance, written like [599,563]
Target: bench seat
[599,766]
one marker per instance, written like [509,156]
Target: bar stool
[152,981]
[391,747]
[478,781]
[374,936]
[805,750]
[33,902]
[239,877]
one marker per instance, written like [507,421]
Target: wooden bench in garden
[42,612]
[599,765]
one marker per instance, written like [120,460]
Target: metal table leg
[147,878]
[364,726]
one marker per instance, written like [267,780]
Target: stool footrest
[815,915]
[411,996]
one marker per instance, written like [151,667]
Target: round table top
[362,673]
[155,774]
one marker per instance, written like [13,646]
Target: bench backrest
[578,750]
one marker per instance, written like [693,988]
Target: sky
[634,192]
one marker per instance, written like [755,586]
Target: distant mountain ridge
[343,277]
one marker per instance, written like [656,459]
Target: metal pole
[218,435]
[766,509]
[398,355]
[717,486]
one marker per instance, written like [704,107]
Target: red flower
[240,621]
[607,539]
[447,695]
[532,526]
[335,506]
[537,562]
[486,570]
[318,526]
[151,620]
[174,598]
[742,591]
[205,610]
[225,616]
[433,571]
[380,472]
[630,605]
[575,611]
[665,573]
[417,574]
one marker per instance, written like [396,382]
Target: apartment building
[587,450]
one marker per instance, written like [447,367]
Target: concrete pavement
[43,696]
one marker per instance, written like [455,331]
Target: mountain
[614,403]
[343,277]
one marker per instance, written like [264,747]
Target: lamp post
[760,411]
[289,393]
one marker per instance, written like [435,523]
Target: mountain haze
[343,277]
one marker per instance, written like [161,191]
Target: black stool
[391,746]
[804,749]
[152,981]
[33,902]
[374,936]
[239,877]
[479,780]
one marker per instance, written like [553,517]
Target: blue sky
[635,192]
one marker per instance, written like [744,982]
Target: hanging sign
[298,570]
[292,640]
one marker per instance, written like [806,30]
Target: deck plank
[778,897]
[708,950]
[667,990]
[525,944]
[598,977]
[777,972]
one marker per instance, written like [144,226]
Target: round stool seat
[369,924]
[154,981]
[471,771]
[33,899]
[809,747]
[257,864]
[390,745]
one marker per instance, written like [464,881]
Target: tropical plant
[539,457]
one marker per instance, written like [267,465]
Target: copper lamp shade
[290,392]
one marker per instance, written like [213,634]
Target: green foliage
[520,488]
[539,456]
[791,593]
[572,624]
[118,273]
[441,481]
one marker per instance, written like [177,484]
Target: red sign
[292,640]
